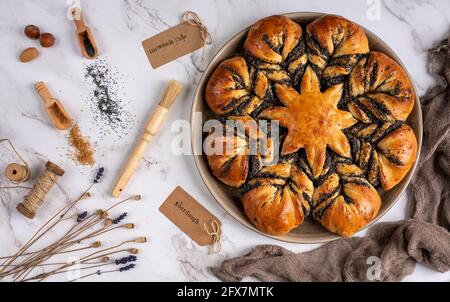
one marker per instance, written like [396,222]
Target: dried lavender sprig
[64,242]
[31,263]
[120,218]
[82,216]
[99,175]
[100,272]
[125,260]
[127,268]
[91,256]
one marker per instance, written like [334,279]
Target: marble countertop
[409,27]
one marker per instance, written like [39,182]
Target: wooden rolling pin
[151,129]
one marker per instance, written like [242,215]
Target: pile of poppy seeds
[111,113]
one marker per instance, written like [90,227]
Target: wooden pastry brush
[151,129]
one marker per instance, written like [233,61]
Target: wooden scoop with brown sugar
[55,110]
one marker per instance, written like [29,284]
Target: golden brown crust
[230,89]
[276,202]
[313,120]
[344,218]
[228,149]
[229,84]
[273,38]
[230,163]
[397,154]
[382,89]
[334,39]
[385,151]
[345,202]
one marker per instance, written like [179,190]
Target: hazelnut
[32,32]
[47,40]
[29,54]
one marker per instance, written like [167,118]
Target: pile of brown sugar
[83,153]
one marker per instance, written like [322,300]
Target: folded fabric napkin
[424,238]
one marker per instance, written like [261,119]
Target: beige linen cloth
[424,238]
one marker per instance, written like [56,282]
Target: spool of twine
[35,198]
[17,173]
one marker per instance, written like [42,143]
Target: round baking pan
[310,231]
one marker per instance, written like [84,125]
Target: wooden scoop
[85,38]
[55,110]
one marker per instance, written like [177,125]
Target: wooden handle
[152,127]
[43,91]
[79,23]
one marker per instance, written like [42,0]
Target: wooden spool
[17,173]
[36,197]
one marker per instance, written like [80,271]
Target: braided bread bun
[334,47]
[342,109]
[230,89]
[228,150]
[380,90]
[344,201]
[278,198]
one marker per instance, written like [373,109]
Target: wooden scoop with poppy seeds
[55,110]
[85,38]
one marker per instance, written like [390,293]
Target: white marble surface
[409,27]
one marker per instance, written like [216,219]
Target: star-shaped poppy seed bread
[313,120]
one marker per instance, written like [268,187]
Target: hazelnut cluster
[45,39]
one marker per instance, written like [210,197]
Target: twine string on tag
[215,233]
[193,19]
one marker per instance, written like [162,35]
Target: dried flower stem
[63,252]
[88,257]
[74,235]
[94,234]
[48,251]
[73,232]
[41,232]
[83,268]
[58,246]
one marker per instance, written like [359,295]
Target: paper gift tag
[188,215]
[173,43]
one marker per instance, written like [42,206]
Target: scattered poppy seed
[111,113]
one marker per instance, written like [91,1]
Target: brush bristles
[172,91]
